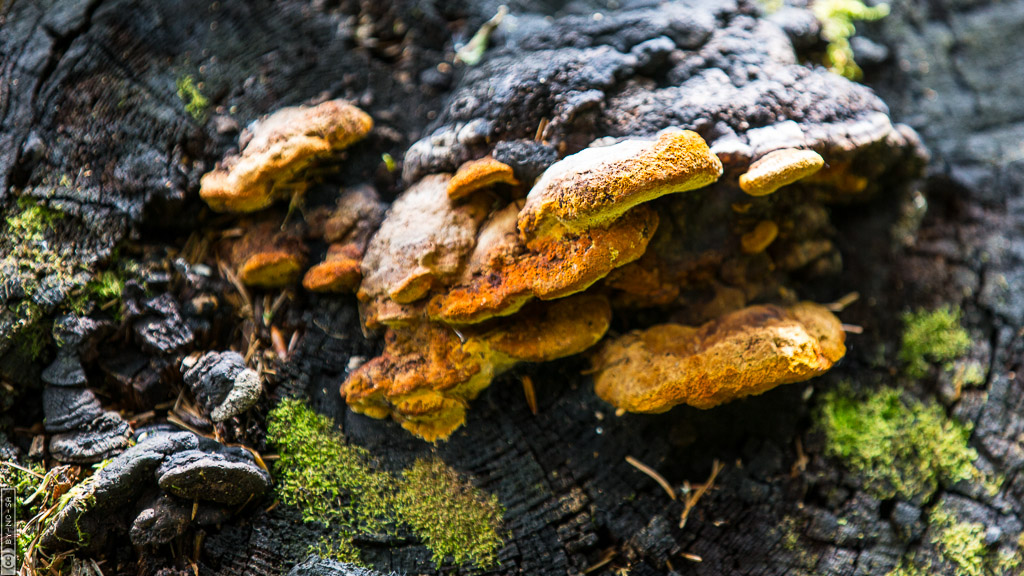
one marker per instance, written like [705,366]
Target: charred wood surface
[94,124]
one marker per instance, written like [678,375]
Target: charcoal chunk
[317,566]
[527,158]
[102,438]
[222,384]
[162,330]
[226,477]
[69,409]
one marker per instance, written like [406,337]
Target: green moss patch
[28,261]
[26,483]
[33,329]
[900,448]
[32,261]
[336,484]
[319,473]
[962,544]
[105,286]
[838,18]
[39,494]
[934,336]
[910,567]
[960,547]
[196,103]
[27,254]
[31,220]
[449,514]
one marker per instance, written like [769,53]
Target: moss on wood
[337,484]
[932,337]
[899,447]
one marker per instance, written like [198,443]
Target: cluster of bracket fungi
[471,273]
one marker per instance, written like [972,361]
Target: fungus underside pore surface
[337,484]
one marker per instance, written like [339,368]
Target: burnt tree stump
[111,111]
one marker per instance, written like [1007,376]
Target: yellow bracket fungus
[348,229]
[266,257]
[429,372]
[479,174]
[760,238]
[275,149]
[739,354]
[778,169]
[339,272]
[596,186]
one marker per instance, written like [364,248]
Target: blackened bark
[93,126]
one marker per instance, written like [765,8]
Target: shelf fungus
[348,230]
[267,257]
[760,238]
[339,272]
[275,149]
[642,284]
[429,372]
[580,221]
[446,265]
[502,274]
[421,243]
[779,168]
[739,354]
[479,174]
[596,186]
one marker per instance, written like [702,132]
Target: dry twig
[530,393]
[654,476]
[603,561]
[694,496]
[801,460]
[227,272]
[852,328]
[842,303]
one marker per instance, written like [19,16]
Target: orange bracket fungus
[596,186]
[339,272]
[429,372]
[275,149]
[579,222]
[760,238]
[348,230]
[742,353]
[446,257]
[422,242]
[446,265]
[479,174]
[502,274]
[267,257]
[778,169]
